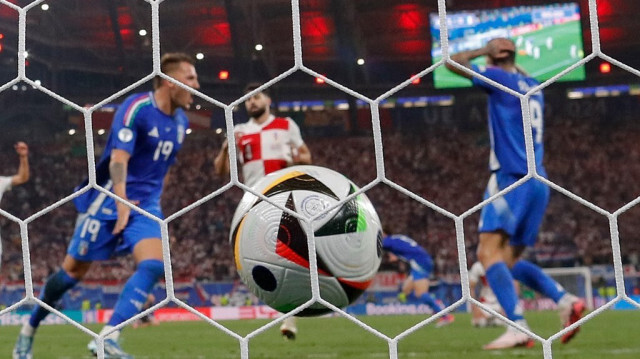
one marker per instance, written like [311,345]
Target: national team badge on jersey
[83,248]
[125,134]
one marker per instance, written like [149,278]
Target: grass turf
[613,334]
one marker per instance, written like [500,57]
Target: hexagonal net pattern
[380,178]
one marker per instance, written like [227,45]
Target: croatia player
[510,223]
[401,247]
[480,290]
[265,144]
[147,131]
[22,176]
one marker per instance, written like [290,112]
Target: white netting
[380,168]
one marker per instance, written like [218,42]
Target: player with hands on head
[147,132]
[21,176]
[266,143]
[510,223]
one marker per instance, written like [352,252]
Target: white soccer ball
[271,250]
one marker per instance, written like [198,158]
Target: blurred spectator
[600,166]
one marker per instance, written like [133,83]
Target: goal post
[576,280]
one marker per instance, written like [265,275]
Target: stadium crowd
[440,164]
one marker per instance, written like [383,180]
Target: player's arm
[23,168]
[118,172]
[301,155]
[464,58]
[221,164]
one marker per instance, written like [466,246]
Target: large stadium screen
[548,39]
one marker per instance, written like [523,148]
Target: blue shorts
[93,241]
[420,270]
[518,213]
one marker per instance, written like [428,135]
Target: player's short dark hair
[254,85]
[169,62]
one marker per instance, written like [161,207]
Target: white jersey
[5,185]
[265,148]
[477,275]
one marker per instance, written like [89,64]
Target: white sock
[566,300]
[114,335]
[522,323]
[27,330]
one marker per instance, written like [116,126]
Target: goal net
[575,280]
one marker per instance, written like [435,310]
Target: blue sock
[53,290]
[501,282]
[427,299]
[135,292]
[533,277]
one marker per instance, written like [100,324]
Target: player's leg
[498,224]
[289,328]
[482,319]
[67,277]
[150,268]
[92,240]
[535,278]
[570,307]
[143,236]
[407,289]
[491,255]
[421,291]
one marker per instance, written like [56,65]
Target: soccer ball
[271,250]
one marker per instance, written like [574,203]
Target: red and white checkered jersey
[265,148]
[478,276]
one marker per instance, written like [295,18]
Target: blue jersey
[152,138]
[506,132]
[405,248]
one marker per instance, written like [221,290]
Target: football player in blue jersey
[401,247]
[147,131]
[510,223]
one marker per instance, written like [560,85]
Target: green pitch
[612,335]
[550,62]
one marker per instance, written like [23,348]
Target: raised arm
[23,168]
[221,164]
[464,58]
[118,171]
